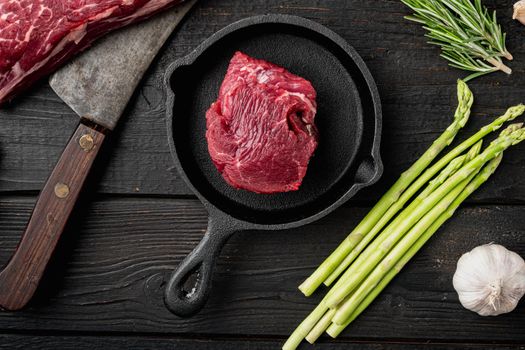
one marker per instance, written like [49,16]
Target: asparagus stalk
[322,318]
[510,136]
[410,216]
[450,169]
[454,165]
[321,326]
[305,327]
[317,322]
[461,116]
[511,114]
[334,329]
[348,307]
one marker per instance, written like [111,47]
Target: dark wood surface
[137,220]
[16,342]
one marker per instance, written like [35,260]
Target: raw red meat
[261,131]
[37,36]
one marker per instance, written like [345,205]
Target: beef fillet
[261,131]
[37,36]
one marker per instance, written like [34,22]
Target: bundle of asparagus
[389,236]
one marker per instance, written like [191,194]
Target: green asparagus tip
[519,136]
[514,112]
[465,100]
[512,134]
[451,168]
[461,83]
[510,129]
[464,93]
[488,169]
[474,151]
[510,114]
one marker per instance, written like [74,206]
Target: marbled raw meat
[260,131]
[37,36]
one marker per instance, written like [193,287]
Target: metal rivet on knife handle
[61,190]
[86,142]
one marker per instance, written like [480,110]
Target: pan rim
[371,88]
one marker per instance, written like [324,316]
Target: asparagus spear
[465,99]
[317,321]
[334,330]
[511,114]
[449,170]
[348,307]
[510,136]
[305,327]
[320,327]
[320,312]
[409,217]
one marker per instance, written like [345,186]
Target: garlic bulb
[490,280]
[519,11]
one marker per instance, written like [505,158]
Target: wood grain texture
[110,271]
[104,287]
[20,277]
[416,87]
[18,342]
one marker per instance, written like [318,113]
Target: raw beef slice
[261,131]
[37,36]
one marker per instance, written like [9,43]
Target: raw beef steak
[37,36]
[261,131]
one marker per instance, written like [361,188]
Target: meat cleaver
[97,85]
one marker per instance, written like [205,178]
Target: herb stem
[499,65]
[469,36]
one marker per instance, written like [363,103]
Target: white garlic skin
[490,280]
[519,11]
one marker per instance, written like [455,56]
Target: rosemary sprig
[469,36]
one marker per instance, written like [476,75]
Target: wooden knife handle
[20,277]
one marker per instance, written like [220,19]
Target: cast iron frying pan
[347,159]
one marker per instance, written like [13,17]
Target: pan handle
[186,301]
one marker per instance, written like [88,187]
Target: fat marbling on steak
[261,131]
[37,36]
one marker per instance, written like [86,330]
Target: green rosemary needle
[469,36]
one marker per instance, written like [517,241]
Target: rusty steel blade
[98,83]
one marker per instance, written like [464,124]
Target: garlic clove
[519,11]
[490,280]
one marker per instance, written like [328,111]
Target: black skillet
[347,159]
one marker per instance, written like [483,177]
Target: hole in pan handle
[190,284]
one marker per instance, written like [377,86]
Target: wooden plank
[40,342]
[109,273]
[416,87]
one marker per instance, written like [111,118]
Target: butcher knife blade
[97,85]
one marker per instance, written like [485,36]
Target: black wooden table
[137,220]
